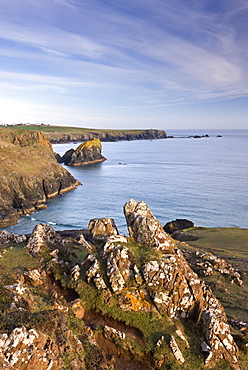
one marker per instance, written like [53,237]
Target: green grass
[68,129]
[231,244]
[14,262]
[228,243]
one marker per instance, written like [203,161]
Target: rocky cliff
[95,299]
[105,135]
[29,174]
[86,153]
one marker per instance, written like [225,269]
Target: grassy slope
[16,158]
[230,244]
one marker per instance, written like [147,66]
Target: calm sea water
[204,180]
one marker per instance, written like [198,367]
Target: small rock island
[88,152]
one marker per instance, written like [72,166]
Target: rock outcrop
[32,349]
[102,228]
[29,175]
[86,153]
[128,304]
[176,289]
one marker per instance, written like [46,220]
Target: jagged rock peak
[145,228]
[176,289]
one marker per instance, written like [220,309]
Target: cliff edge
[29,174]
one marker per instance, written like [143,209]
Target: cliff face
[110,135]
[100,300]
[29,175]
[86,153]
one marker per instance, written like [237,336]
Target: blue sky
[125,64]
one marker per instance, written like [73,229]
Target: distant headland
[66,134]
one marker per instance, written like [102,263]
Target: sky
[165,64]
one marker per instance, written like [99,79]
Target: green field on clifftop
[70,130]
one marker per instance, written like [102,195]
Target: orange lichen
[138,300]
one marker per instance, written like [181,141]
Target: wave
[58,225]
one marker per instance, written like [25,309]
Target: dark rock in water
[58,157]
[178,224]
[183,237]
[66,158]
[86,153]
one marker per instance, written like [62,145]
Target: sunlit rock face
[86,153]
[144,273]
[175,288]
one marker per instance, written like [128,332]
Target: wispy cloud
[135,55]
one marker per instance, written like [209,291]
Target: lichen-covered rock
[217,331]
[6,237]
[118,262]
[44,236]
[94,275]
[144,227]
[33,276]
[176,289]
[30,349]
[205,263]
[86,153]
[176,351]
[75,273]
[102,228]
[112,333]
[135,300]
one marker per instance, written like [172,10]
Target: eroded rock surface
[30,349]
[44,236]
[178,288]
[102,228]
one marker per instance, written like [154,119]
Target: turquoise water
[204,180]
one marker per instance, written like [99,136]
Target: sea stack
[88,152]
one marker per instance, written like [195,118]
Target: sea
[204,180]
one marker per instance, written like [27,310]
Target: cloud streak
[148,54]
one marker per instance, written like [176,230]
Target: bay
[204,180]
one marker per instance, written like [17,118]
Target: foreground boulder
[86,153]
